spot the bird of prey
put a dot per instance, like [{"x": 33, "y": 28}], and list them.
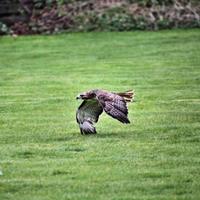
[{"x": 97, "y": 101}]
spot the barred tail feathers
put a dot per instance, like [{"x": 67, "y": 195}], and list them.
[{"x": 128, "y": 95}]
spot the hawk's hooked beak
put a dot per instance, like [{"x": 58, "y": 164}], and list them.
[{"x": 80, "y": 96}]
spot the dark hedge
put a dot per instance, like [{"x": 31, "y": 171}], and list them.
[{"x": 53, "y": 16}]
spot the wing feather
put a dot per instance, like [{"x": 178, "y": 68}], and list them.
[
  {"x": 116, "y": 113},
  {"x": 114, "y": 105}
]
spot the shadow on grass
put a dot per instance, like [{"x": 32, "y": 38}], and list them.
[
  {"x": 74, "y": 136},
  {"x": 121, "y": 135}
]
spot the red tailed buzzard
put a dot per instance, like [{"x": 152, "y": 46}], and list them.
[{"x": 97, "y": 101}]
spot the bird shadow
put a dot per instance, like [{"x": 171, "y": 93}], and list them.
[
  {"x": 116, "y": 135},
  {"x": 101, "y": 135}
]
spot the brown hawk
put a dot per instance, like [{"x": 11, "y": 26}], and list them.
[{"x": 97, "y": 101}]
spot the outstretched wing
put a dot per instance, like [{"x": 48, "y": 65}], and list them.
[
  {"x": 114, "y": 105},
  {"x": 88, "y": 114}
]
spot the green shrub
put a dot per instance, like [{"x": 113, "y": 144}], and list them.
[{"x": 114, "y": 19}]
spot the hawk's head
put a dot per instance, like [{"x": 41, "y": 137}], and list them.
[{"x": 87, "y": 95}]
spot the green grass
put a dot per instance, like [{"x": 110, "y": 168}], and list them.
[{"x": 42, "y": 154}]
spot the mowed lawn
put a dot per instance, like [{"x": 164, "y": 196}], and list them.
[{"x": 42, "y": 154}]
